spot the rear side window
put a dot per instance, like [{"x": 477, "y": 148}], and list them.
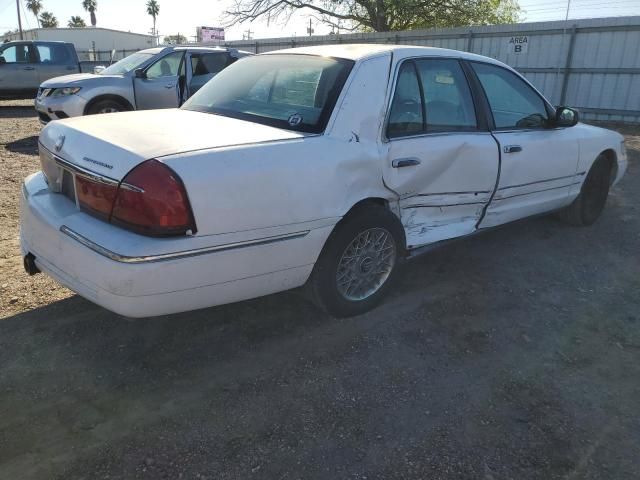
[
  {"x": 447, "y": 97},
  {"x": 406, "y": 116},
  {"x": 514, "y": 104},
  {"x": 53, "y": 54},
  {"x": 432, "y": 95},
  {"x": 208, "y": 63}
]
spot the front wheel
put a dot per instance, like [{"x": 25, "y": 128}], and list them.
[
  {"x": 588, "y": 206},
  {"x": 358, "y": 263},
  {"x": 106, "y": 106}
]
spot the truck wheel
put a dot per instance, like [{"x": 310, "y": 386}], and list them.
[
  {"x": 106, "y": 106},
  {"x": 358, "y": 263},
  {"x": 588, "y": 206}
]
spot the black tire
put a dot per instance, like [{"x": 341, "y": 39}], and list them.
[
  {"x": 106, "y": 106},
  {"x": 324, "y": 287},
  {"x": 588, "y": 206}
]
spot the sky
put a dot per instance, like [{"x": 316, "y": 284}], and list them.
[{"x": 182, "y": 16}]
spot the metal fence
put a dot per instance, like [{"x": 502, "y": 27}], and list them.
[{"x": 591, "y": 64}]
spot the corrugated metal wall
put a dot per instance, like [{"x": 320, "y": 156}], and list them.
[{"x": 591, "y": 64}]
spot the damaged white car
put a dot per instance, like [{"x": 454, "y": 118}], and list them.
[{"x": 323, "y": 166}]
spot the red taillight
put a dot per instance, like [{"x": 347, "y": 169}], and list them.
[
  {"x": 152, "y": 200},
  {"x": 95, "y": 197}
]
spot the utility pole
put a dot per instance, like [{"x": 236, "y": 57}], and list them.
[
  {"x": 310, "y": 29},
  {"x": 246, "y": 35},
  {"x": 19, "y": 19}
]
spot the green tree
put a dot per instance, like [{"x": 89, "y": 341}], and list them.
[
  {"x": 175, "y": 39},
  {"x": 91, "y": 6},
  {"x": 381, "y": 15},
  {"x": 35, "y": 7},
  {"x": 48, "y": 20},
  {"x": 76, "y": 22},
  {"x": 153, "y": 9}
]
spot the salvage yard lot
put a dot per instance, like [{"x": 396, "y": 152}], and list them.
[{"x": 514, "y": 354}]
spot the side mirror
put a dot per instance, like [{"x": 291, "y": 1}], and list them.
[
  {"x": 139, "y": 73},
  {"x": 2, "y": 60},
  {"x": 566, "y": 117}
]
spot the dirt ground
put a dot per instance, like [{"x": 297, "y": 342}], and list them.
[{"x": 511, "y": 355}]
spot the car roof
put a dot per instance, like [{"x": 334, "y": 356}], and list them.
[{"x": 360, "y": 51}]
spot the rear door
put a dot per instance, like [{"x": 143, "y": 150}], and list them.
[
  {"x": 18, "y": 71},
  {"x": 54, "y": 60},
  {"x": 203, "y": 66},
  {"x": 163, "y": 84},
  {"x": 441, "y": 160},
  {"x": 538, "y": 163}
]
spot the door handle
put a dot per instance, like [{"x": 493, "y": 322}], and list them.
[
  {"x": 405, "y": 162},
  {"x": 169, "y": 85},
  {"x": 512, "y": 148},
  {"x": 29, "y": 68}
]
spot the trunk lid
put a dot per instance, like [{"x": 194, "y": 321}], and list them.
[{"x": 112, "y": 144}]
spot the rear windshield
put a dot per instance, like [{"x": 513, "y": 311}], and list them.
[
  {"x": 295, "y": 92},
  {"x": 127, "y": 64}
]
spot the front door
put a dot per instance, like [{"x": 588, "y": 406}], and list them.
[
  {"x": 18, "y": 72},
  {"x": 538, "y": 164},
  {"x": 440, "y": 162},
  {"x": 162, "y": 85}
]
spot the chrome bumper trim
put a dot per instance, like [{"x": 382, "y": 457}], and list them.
[{"x": 177, "y": 255}]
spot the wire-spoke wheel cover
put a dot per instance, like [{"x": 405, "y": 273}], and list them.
[{"x": 366, "y": 264}]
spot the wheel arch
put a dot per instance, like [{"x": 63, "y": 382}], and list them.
[
  {"x": 370, "y": 202},
  {"x": 612, "y": 159},
  {"x": 108, "y": 96}
]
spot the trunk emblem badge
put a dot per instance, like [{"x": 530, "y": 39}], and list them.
[{"x": 59, "y": 143}]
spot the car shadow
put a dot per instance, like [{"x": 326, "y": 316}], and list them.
[
  {"x": 26, "y": 145},
  {"x": 17, "y": 111}
]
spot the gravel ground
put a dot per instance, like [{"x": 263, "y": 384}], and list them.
[{"x": 511, "y": 355}]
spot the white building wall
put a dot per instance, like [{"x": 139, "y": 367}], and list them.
[{"x": 90, "y": 38}]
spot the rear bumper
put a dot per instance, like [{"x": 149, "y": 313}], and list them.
[{"x": 159, "y": 286}]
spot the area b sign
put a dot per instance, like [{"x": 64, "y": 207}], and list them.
[{"x": 518, "y": 45}]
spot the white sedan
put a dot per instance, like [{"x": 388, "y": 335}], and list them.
[{"x": 323, "y": 166}]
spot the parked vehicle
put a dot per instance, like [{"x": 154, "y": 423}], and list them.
[
  {"x": 321, "y": 165},
  {"x": 161, "y": 77},
  {"x": 26, "y": 64}
]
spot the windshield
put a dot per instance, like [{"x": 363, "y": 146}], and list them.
[
  {"x": 296, "y": 92},
  {"x": 127, "y": 64}
]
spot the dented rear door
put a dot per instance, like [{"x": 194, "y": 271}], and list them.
[{"x": 439, "y": 162}]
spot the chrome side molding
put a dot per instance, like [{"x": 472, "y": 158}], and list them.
[{"x": 105, "y": 252}]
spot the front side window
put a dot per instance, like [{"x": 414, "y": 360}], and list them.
[
  {"x": 167, "y": 66},
  {"x": 16, "y": 54},
  {"x": 514, "y": 104},
  {"x": 296, "y": 92}
]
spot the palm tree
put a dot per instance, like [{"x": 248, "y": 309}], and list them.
[
  {"x": 48, "y": 20},
  {"x": 35, "y": 7},
  {"x": 91, "y": 6},
  {"x": 153, "y": 9},
  {"x": 76, "y": 22}
]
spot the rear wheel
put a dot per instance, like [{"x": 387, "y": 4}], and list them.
[
  {"x": 358, "y": 263},
  {"x": 588, "y": 206},
  {"x": 106, "y": 106}
]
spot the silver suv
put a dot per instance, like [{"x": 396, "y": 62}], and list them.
[{"x": 162, "y": 77}]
